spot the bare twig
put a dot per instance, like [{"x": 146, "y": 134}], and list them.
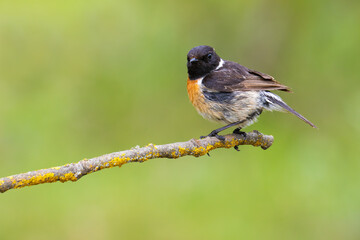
[{"x": 74, "y": 171}]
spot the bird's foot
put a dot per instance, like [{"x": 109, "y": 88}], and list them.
[
  {"x": 237, "y": 131},
  {"x": 214, "y": 134}
]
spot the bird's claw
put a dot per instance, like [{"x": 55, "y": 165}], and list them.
[{"x": 237, "y": 148}]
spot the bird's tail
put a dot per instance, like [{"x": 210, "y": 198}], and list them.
[{"x": 274, "y": 102}]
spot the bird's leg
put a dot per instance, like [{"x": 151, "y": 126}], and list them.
[{"x": 215, "y": 132}]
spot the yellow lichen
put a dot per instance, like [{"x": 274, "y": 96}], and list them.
[
  {"x": 68, "y": 177},
  {"x": 1, "y": 182},
  {"x": 13, "y": 180},
  {"x": 115, "y": 162},
  {"x": 257, "y": 143},
  {"x": 209, "y": 148},
  {"x": 155, "y": 155},
  {"x": 174, "y": 155},
  {"x": 38, "y": 179},
  {"x": 183, "y": 151},
  {"x": 199, "y": 151}
]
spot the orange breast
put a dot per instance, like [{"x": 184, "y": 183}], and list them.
[
  {"x": 204, "y": 107},
  {"x": 195, "y": 95},
  {"x": 193, "y": 90}
]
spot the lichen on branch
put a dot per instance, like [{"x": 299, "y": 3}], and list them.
[{"x": 74, "y": 171}]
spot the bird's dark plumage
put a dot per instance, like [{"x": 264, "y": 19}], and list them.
[{"x": 235, "y": 77}]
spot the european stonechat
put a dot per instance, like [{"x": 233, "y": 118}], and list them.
[{"x": 229, "y": 93}]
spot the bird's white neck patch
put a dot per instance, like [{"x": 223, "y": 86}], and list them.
[{"x": 221, "y": 63}]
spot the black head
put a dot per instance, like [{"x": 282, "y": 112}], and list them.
[{"x": 201, "y": 60}]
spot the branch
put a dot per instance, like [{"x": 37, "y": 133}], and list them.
[{"x": 74, "y": 171}]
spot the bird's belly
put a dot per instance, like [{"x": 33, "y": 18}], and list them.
[
  {"x": 226, "y": 109},
  {"x": 243, "y": 106}
]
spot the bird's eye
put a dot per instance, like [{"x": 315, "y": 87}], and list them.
[
  {"x": 209, "y": 56},
  {"x": 188, "y": 59}
]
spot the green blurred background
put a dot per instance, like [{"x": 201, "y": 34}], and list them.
[{"x": 79, "y": 79}]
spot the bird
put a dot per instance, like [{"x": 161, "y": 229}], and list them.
[{"x": 229, "y": 93}]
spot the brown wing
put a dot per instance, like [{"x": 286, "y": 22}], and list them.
[{"x": 235, "y": 77}]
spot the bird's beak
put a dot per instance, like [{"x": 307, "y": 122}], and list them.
[{"x": 193, "y": 60}]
